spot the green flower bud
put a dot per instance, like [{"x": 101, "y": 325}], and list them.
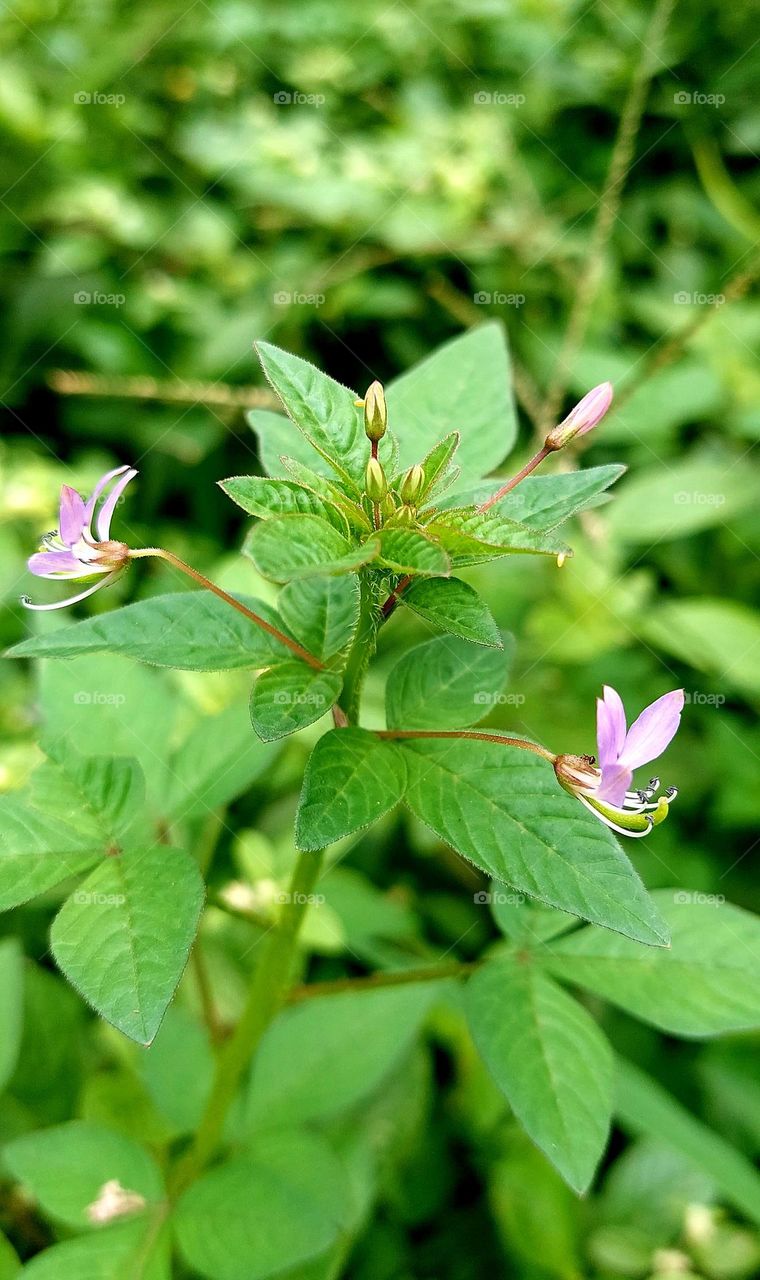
[
  {"x": 404, "y": 515},
  {"x": 412, "y": 485},
  {"x": 387, "y": 507},
  {"x": 375, "y": 412},
  {"x": 375, "y": 483}
]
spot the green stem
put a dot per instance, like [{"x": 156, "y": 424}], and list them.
[
  {"x": 205, "y": 582},
  {"x": 266, "y": 996},
  {"x": 395, "y": 978},
  {"x": 361, "y": 654}
]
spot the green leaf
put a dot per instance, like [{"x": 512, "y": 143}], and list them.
[
  {"x": 102, "y": 796},
  {"x": 465, "y": 385},
  {"x": 192, "y": 630},
  {"x": 324, "y": 410},
  {"x": 504, "y": 810},
  {"x": 11, "y": 1006},
  {"x": 325, "y": 1055},
  {"x": 704, "y": 984},
  {"x": 720, "y": 637},
  {"x": 550, "y": 1060},
  {"x": 178, "y": 1069},
  {"x": 445, "y": 683},
  {"x": 326, "y": 488},
  {"x": 123, "y": 938},
  {"x": 66, "y": 1167},
  {"x": 322, "y": 613},
  {"x": 644, "y": 1107},
  {"x": 38, "y": 851},
  {"x": 219, "y": 759},
  {"x": 543, "y": 502},
  {"x": 291, "y": 696},
  {"x": 10, "y": 1265},
  {"x": 351, "y": 780},
  {"x": 124, "y": 1249},
  {"x": 278, "y": 438},
  {"x": 289, "y": 547},
  {"x": 524, "y": 922},
  {"x": 474, "y": 537},
  {"x": 409, "y": 551},
  {"x": 453, "y": 606},
  {"x": 262, "y": 497},
  {"x": 260, "y": 1214},
  {"x": 690, "y": 493}
]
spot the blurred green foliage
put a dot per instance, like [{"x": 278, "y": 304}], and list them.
[{"x": 357, "y": 183}]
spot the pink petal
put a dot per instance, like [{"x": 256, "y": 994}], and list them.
[
  {"x": 72, "y": 518},
  {"x": 99, "y": 487},
  {"x": 649, "y": 735},
  {"x": 62, "y": 604},
  {"x": 106, "y": 511},
  {"x": 616, "y": 780},
  {"x": 610, "y": 726},
  {"x": 51, "y": 564}
]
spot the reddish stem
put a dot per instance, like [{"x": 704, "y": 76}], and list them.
[
  {"x": 534, "y": 462},
  {"x": 504, "y": 740},
  {"x": 392, "y": 601}
]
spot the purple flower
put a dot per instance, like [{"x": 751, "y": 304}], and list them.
[
  {"x": 606, "y": 789},
  {"x": 587, "y": 413},
  {"x": 622, "y": 750},
  {"x": 74, "y": 552}
]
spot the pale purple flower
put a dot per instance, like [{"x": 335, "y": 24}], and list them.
[
  {"x": 587, "y": 414},
  {"x": 76, "y": 551},
  {"x": 605, "y": 788},
  {"x": 621, "y": 750}
]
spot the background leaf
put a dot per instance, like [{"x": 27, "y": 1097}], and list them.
[
  {"x": 123, "y": 938},
  {"x": 446, "y": 683},
  {"x": 549, "y": 1058}
]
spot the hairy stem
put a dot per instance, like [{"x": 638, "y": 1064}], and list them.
[
  {"x": 502, "y": 739},
  {"x": 203, "y": 581},
  {"x": 266, "y": 995},
  {"x": 360, "y": 655},
  {"x": 531, "y": 465}
]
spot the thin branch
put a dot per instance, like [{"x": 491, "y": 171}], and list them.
[
  {"x": 609, "y": 205},
  {"x": 71, "y": 382},
  {"x": 396, "y": 978}
]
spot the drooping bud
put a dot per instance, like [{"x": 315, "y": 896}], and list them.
[
  {"x": 375, "y": 483},
  {"x": 584, "y": 417},
  {"x": 375, "y": 412},
  {"x": 412, "y": 485}
]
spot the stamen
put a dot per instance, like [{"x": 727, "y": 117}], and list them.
[{"x": 613, "y": 826}]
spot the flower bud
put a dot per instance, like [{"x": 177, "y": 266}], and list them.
[
  {"x": 387, "y": 507},
  {"x": 404, "y": 515},
  {"x": 375, "y": 412},
  {"x": 586, "y": 414},
  {"x": 412, "y": 485},
  {"x": 375, "y": 483}
]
